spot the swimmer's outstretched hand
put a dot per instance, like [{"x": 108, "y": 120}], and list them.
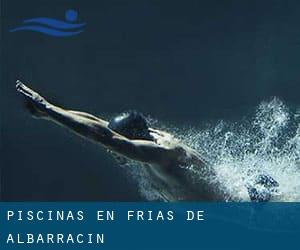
[{"x": 35, "y": 103}]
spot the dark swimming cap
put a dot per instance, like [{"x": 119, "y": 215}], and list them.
[{"x": 132, "y": 125}]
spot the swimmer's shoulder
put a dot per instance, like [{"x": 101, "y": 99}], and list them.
[{"x": 186, "y": 156}]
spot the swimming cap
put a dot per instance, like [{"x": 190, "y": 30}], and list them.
[{"x": 132, "y": 125}]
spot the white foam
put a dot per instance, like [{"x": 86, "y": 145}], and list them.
[{"x": 268, "y": 142}]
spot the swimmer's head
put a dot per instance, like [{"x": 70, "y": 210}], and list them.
[{"x": 132, "y": 125}]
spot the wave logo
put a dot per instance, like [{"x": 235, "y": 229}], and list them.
[{"x": 53, "y": 27}]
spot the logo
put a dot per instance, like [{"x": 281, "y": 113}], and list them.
[{"x": 53, "y": 27}]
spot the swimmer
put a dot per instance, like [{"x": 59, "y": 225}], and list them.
[{"x": 129, "y": 136}]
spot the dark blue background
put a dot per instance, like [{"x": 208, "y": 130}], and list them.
[{"x": 182, "y": 62}]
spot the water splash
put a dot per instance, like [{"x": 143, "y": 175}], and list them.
[{"x": 267, "y": 142}]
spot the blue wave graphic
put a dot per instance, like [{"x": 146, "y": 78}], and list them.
[
  {"x": 47, "y": 31},
  {"x": 53, "y": 23},
  {"x": 55, "y": 27}
]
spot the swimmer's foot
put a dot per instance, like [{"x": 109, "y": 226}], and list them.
[
  {"x": 34, "y": 103},
  {"x": 263, "y": 188}
]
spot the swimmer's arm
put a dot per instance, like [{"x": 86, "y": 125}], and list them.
[
  {"x": 87, "y": 115},
  {"x": 34, "y": 100},
  {"x": 142, "y": 150},
  {"x": 95, "y": 129},
  {"x": 81, "y": 123}
]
